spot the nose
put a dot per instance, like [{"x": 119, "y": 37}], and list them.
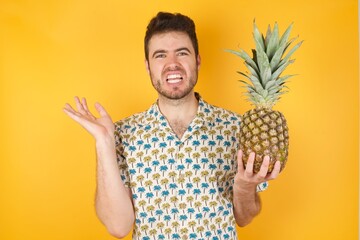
[{"x": 172, "y": 62}]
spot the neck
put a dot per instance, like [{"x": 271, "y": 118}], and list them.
[{"x": 179, "y": 112}]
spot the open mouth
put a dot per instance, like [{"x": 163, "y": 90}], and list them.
[{"x": 174, "y": 78}]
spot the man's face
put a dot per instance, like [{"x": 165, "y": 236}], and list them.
[{"x": 172, "y": 65}]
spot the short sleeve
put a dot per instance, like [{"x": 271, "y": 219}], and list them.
[
  {"x": 121, "y": 160},
  {"x": 262, "y": 186}
]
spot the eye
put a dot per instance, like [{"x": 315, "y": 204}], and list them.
[
  {"x": 160, "y": 55},
  {"x": 182, "y": 53}
]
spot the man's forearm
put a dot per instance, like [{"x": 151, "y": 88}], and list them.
[
  {"x": 246, "y": 205},
  {"x": 113, "y": 200}
]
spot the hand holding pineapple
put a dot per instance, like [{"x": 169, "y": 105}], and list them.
[
  {"x": 264, "y": 131},
  {"x": 245, "y": 178},
  {"x": 246, "y": 202}
]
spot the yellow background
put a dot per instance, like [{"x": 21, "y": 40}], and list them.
[{"x": 53, "y": 50}]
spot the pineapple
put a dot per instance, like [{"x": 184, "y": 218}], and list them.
[{"x": 263, "y": 130}]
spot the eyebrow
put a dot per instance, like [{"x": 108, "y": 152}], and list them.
[{"x": 177, "y": 50}]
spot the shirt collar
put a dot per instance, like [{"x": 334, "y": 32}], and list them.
[{"x": 205, "y": 114}]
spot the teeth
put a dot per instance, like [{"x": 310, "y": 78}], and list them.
[
  {"x": 173, "y": 76},
  {"x": 174, "y": 80}
]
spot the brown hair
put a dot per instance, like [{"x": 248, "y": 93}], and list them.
[{"x": 166, "y": 22}]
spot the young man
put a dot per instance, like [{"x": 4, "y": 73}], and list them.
[{"x": 181, "y": 174}]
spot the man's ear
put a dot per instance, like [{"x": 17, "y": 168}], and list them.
[
  {"x": 147, "y": 66},
  {"x": 198, "y": 61}
]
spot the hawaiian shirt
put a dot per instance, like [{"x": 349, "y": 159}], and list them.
[{"x": 181, "y": 188}]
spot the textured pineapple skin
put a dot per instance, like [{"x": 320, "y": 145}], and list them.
[{"x": 265, "y": 132}]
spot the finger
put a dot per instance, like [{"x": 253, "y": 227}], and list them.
[
  {"x": 77, "y": 117},
  {"x": 275, "y": 172},
  {"x": 84, "y": 103},
  {"x": 79, "y": 106},
  {"x": 240, "y": 162},
  {"x": 250, "y": 164},
  {"x": 101, "y": 110},
  {"x": 264, "y": 167},
  {"x": 72, "y": 113},
  {"x": 69, "y": 108}
]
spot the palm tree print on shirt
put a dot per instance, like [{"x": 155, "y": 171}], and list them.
[{"x": 178, "y": 185}]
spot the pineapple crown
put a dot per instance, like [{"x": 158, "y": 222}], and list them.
[{"x": 265, "y": 85}]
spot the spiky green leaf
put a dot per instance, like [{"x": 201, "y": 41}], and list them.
[
  {"x": 280, "y": 51},
  {"x": 290, "y": 42},
  {"x": 273, "y": 42},
  {"x": 284, "y": 38},
  {"x": 283, "y": 79},
  {"x": 264, "y": 93},
  {"x": 263, "y": 81},
  {"x": 277, "y": 57},
  {"x": 259, "y": 41},
  {"x": 268, "y": 35},
  {"x": 288, "y": 55},
  {"x": 252, "y": 70},
  {"x": 273, "y": 91},
  {"x": 248, "y": 86},
  {"x": 281, "y": 68},
  {"x": 256, "y": 83},
  {"x": 257, "y": 98},
  {"x": 244, "y": 56},
  {"x": 264, "y": 66},
  {"x": 244, "y": 74},
  {"x": 270, "y": 84}
]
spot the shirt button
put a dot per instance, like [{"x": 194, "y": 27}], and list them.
[{"x": 184, "y": 237}]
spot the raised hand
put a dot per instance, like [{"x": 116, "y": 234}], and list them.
[
  {"x": 98, "y": 127},
  {"x": 245, "y": 177}
]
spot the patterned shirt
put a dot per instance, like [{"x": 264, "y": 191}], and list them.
[{"x": 181, "y": 188}]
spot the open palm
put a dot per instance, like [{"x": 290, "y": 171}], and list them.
[{"x": 98, "y": 127}]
